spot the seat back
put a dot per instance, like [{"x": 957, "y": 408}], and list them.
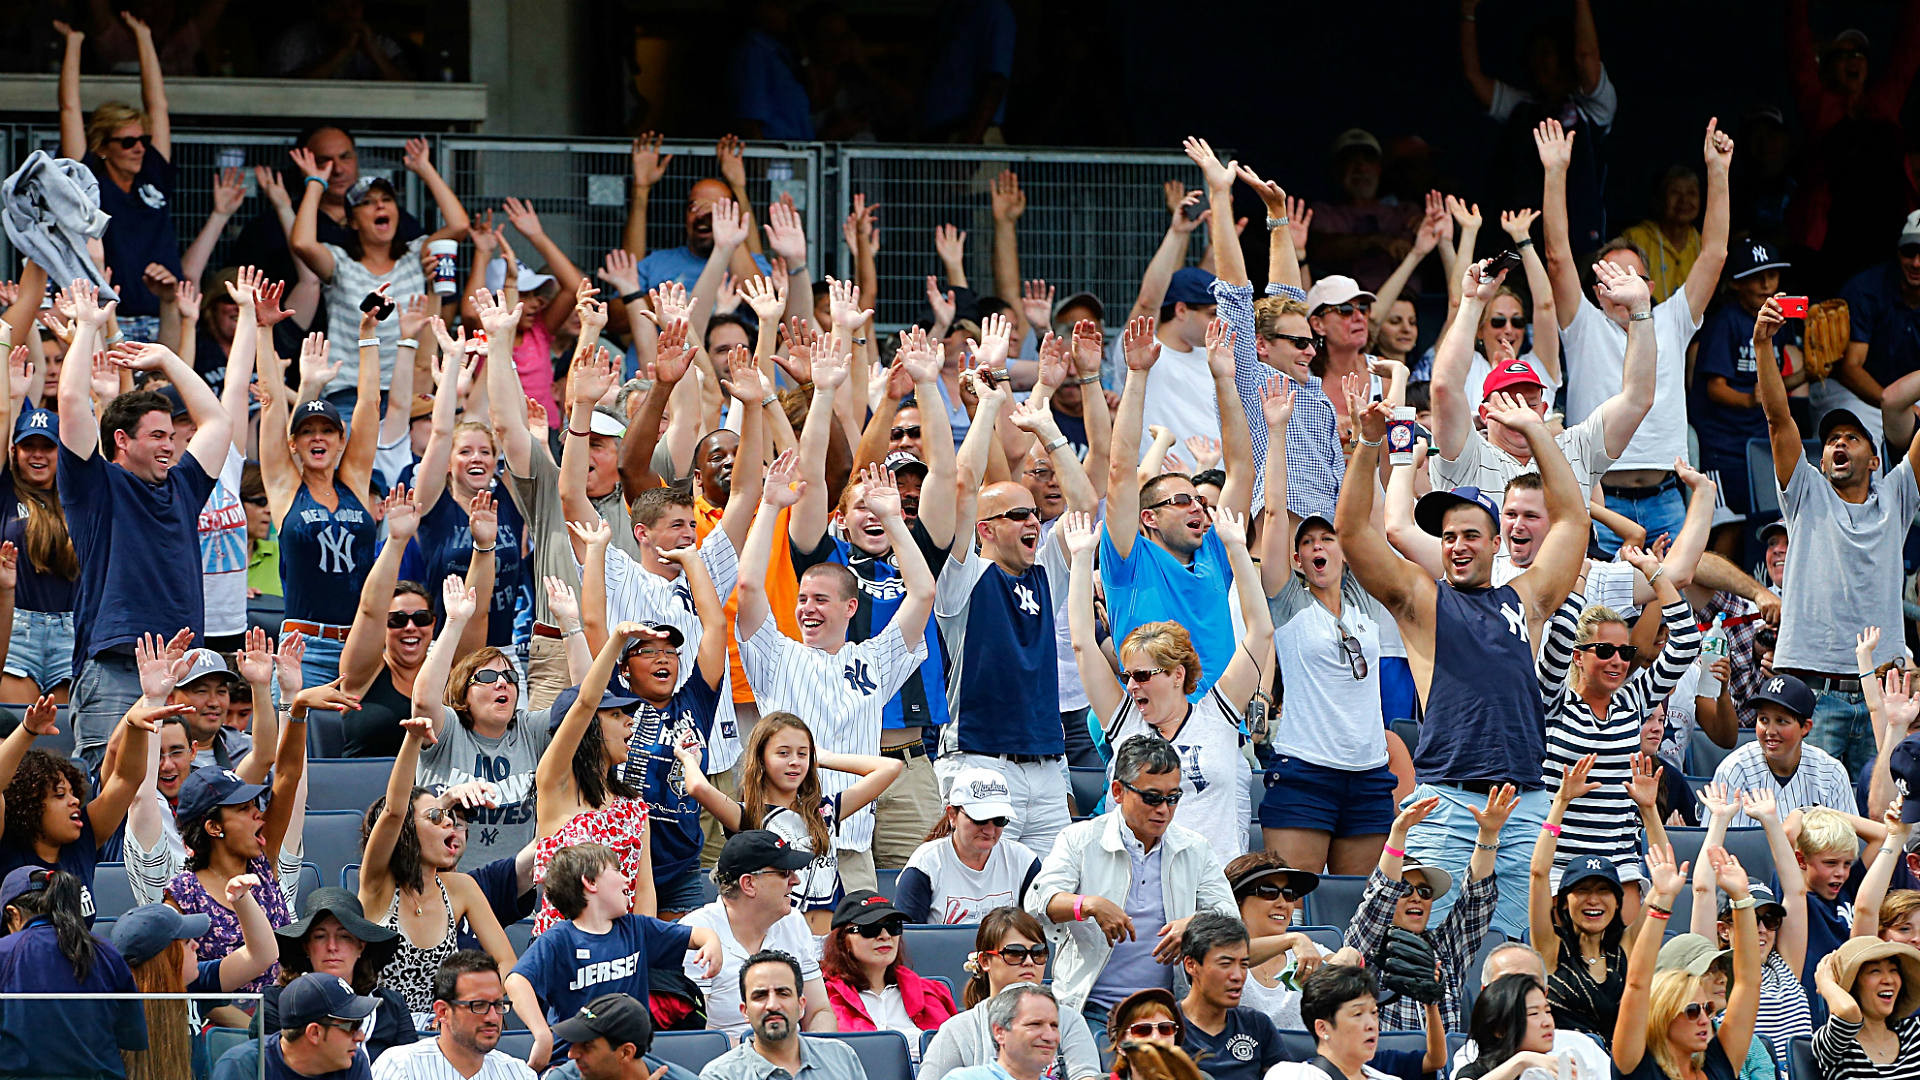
[
  {"x": 112, "y": 890},
  {"x": 346, "y": 783},
  {"x": 933, "y": 949},
  {"x": 883, "y": 1054},
  {"x": 1089, "y": 787},
  {"x": 1335, "y": 900},
  {"x": 333, "y": 841},
  {"x": 691, "y": 1050}
]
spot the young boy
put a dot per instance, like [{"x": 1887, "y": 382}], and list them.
[
  {"x": 1778, "y": 759},
  {"x": 598, "y": 948},
  {"x": 1723, "y": 406}
]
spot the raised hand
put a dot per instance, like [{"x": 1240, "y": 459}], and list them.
[
  {"x": 592, "y": 377},
  {"x": 1230, "y": 527},
  {"x": 160, "y": 663},
  {"x": 1276, "y": 401},
  {"x": 920, "y": 355},
  {"x": 267, "y": 311},
  {"x": 483, "y": 520},
  {"x": 19, "y": 372},
  {"x": 256, "y": 659},
  {"x": 1622, "y": 285},
  {"x": 1574, "y": 782},
  {"x": 1009, "y": 202},
  {"x": 1053, "y": 362},
  {"x": 996, "y": 335},
  {"x": 1035, "y": 418},
  {"x": 240, "y": 885},
  {"x": 457, "y": 600},
  {"x": 1644, "y": 787},
  {"x": 304, "y": 161},
  {"x": 1413, "y": 814},
  {"x": 843, "y": 299},
  {"x": 1721, "y": 804},
  {"x": 1718, "y": 148},
  {"x": 649, "y": 167},
  {"x": 732, "y": 155},
  {"x": 882, "y": 497},
  {"x": 1664, "y": 875},
  {"x": 269, "y": 183},
  {"x": 761, "y": 297},
  {"x": 87, "y": 307},
  {"x": 786, "y": 236},
  {"x": 1897, "y": 701},
  {"x": 1640, "y": 559},
  {"x": 729, "y": 224},
  {"x": 1727, "y": 872},
  {"x": 831, "y": 368},
  {"x": 942, "y": 303},
  {"x": 1219, "y": 177},
  {"x": 286, "y": 660},
  {"x": 1205, "y": 451},
  {"x": 1761, "y": 805},
  {"x": 140, "y": 355},
  {"x": 1138, "y": 343},
  {"x": 1271, "y": 194},
  {"x": 594, "y": 534},
  {"x": 420, "y": 727},
  {"x": 186, "y": 297},
  {"x": 498, "y": 320},
  {"x": 743, "y": 379},
  {"x": 1768, "y": 322},
  {"x": 229, "y": 191},
  {"x": 521, "y": 215},
  {"x": 1088, "y": 345},
  {"x": 562, "y": 601},
  {"x": 784, "y": 484},
  {"x": 670, "y": 303},
  {"x": 1220, "y": 339},
  {"x": 1514, "y": 412},
  {"x": 1500, "y": 804},
  {"x": 1518, "y": 224},
  {"x": 619, "y": 270},
  {"x": 949, "y": 244},
  {"x": 1554, "y": 144},
  {"x": 1077, "y": 527},
  {"x": 1465, "y": 214},
  {"x": 418, "y": 157},
  {"x": 41, "y": 715}
]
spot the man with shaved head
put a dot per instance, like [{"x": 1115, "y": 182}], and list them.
[{"x": 996, "y": 612}]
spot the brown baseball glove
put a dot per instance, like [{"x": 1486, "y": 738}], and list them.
[{"x": 1828, "y": 330}]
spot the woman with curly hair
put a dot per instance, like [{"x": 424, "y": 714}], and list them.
[
  {"x": 49, "y": 821},
  {"x": 864, "y": 963},
  {"x": 1010, "y": 947}
]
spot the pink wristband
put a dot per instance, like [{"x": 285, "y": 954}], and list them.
[
  {"x": 1078, "y": 899},
  {"x": 1393, "y": 851},
  {"x": 1548, "y": 826}
]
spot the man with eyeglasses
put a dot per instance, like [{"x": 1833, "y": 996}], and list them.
[
  {"x": 1118, "y": 891},
  {"x": 1239, "y": 1043},
  {"x": 996, "y": 608},
  {"x": 1596, "y": 335},
  {"x": 756, "y": 875},
  {"x": 470, "y": 1009}
]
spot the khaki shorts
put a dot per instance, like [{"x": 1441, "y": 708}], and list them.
[{"x": 905, "y": 813}]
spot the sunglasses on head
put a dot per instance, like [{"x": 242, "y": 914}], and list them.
[
  {"x": 1021, "y": 954},
  {"x": 1605, "y": 650},
  {"x": 422, "y": 619},
  {"x": 1303, "y": 342},
  {"x": 1156, "y": 798},
  {"x": 1182, "y": 500},
  {"x": 128, "y": 142},
  {"x": 490, "y": 675},
  {"x": 889, "y": 927},
  {"x": 1500, "y": 322},
  {"x": 1017, "y": 514},
  {"x": 1147, "y": 1029},
  {"x": 908, "y": 431},
  {"x": 1128, "y": 678},
  {"x": 1273, "y": 890}
]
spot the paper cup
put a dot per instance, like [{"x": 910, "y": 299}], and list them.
[
  {"x": 1400, "y": 435},
  {"x": 447, "y": 254}
]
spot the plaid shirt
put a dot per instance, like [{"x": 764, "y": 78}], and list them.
[
  {"x": 1740, "y": 659},
  {"x": 1315, "y": 461},
  {"x": 1454, "y": 943}
]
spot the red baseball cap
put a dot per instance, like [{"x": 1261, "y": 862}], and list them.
[{"x": 1512, "y": 373}]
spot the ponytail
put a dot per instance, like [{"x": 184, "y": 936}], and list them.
[{"x": 60, "y": 901}]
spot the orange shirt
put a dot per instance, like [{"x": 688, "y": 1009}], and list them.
[{"x": 783, "y": 588}]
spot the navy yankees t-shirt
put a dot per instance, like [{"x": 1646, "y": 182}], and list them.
[
  {"x": 652, "y": 767},
  {"x": 569, "y": 967},
  {"x": 78, "y": 858},
  {"x": 444, "y": 545}
]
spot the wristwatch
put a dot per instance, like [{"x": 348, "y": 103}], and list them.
[
  {"x": 1056, "y": 444},
  {"x": 1742, "y": 905}
]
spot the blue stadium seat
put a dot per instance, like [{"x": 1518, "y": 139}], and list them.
[
  {"x": 333, "y": 840},
  {"x": 1402, "y": 1041},
  {"x": 691, "y": 1050},
  {"x": 1409, "y": 731},
  {"x": 1704, "y": 755},
  {"x": 926, "y": 1037},
  {"x": 350, "y": 878},
  {"x": 1296, "y": 1045},
  {"x": 346, "y": 783},
  {"x": 112, "y": 891},
  {"x": 515, "y": 1044},
  {"x": 222, "y": 1039},
  {"x": 1327, "y": 937},
  {"x": 326, "y": 737},
  {"x": 519, "y": 935},
  {"x": 1089, "y": 787},
  {"x": 940, "y": 950},
  {"x": 1751, "y": 848},
  {"x": 1761, "y": 483},
  {"x": 883, "y": 1054},
  {"x": 1335, "y": 901},
  {"x": 310, "y": 879},
  {"x": 1687, "y": 841},
  {"x": 1800, "y": 1057},
  {"x": 889, "y": 881},
  {"x": 1256, "y": 837}
]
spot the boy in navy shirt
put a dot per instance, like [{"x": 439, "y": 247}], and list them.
[
  {"x": 1239, "y": 1043},
  {"x": 598, "y": 949},
  {"x": 1723, "y": 405}
]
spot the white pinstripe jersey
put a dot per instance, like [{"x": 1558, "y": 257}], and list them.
[
  {"x": 1819, "y": 781},
  {"x": 423, "y": 1061},
  {"x": 1487, "y": 467},
  {"x": 839, "y": 694}
]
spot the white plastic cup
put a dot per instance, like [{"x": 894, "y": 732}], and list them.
[
  {"x": 1400, "y": 435},
  {"x": 446, "y": 253}
]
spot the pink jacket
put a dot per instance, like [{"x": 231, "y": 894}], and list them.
[{"x": 928, "y": 1003}]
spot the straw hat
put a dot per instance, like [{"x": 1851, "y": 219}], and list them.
[{"x": 1856, "y": 952}]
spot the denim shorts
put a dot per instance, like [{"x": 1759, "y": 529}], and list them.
[
  {"x": 1302, "y": 795},
  {"x": 682, "y": 892},
  {"x": 42, "y": 648}
]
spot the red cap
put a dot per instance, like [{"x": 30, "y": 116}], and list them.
[{"x": 1510, "y": 374}]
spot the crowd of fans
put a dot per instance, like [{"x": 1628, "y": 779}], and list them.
[{"x": 683, "y": 620}]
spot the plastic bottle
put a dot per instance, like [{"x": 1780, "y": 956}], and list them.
[{"x": 1712, "y": 647}]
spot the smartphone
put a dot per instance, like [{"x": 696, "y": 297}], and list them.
[
  {"x": 1508, "y": 260},
  {"x": 1793, "y": 307},
  {"x": 380, "y": 305}
]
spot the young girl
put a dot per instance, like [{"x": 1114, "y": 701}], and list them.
[{"x": 781, "y": 792}]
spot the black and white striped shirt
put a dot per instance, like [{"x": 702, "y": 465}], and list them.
[
  {"x": 1605, "y": 822},
  {"x": 1836, "y": 1049}
]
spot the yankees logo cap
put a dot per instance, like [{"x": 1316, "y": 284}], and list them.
[
  {"x": 1904, "y": 763},
  {"x": 1785, "y": 691},
  {"x": 755, "y": 850}
]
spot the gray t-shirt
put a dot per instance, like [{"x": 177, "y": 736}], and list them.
[
  {"x": 508, "y": 763},
  {"x": 1844, "y": 568},
  {"x": 538, "y": 497}
]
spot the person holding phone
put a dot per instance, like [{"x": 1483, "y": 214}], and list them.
[{"x": 1723, "y": 405}]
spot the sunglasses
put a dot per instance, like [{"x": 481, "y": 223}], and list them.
[
  {"x": 1128, "y": 678},
  {"x": 1182, "y": 500},
  {"x": 490, "y": 675},
  {"x": 1694, "y": 1010},
  {"x": 1017, "y": 514},
  {"x": 481, "y": 1008},
  {"x": 337, "y": 1024},
  {"x": 1908, "y": 251},
  {"x": 1155, "y": 798},
  {"x": 996, "y": 822},
  {"x": 1146, "y": 1029},
  {"x": 1423, "y": 890},
  {"x": 1605, "y": 650},
  {"x": 256, "y": 501},
  {"x": 1349, "y": 308},
  {"x": 1273, "y": 890},
  {"x": 1021, "y": 954},
  {"x": 423, "y": 619},
  {"x": 1351, "y": 651},
  {"x": 128, "y": 142},
  {"x": 1770, "y": 919},
  {"x": 1501, "y": 322},
  {"x": 910, "y": 431},
  {"x": 889, "y": 927},
  {"x": 441, "y": 815},
  {"x": 1303, "y": 342}
]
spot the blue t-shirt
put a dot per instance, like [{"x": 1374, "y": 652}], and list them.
[
  {"x": 499, "y": 882},
  {"x": 278, "y": 1069},
  {"x": 139, "y": 550},
  {"x": 36, "y": 591},
  {"x": 1725, "y": 349},
  {"x": 64, "y": 1038},
  {"x": 1877, "y": 316},
  {"x": 569, "y": 967},
  {"x": 78, "y": 858},
  {"x": 766, "y": 87},
  {"x": 1151, "y": 585},
  {"x": 444, "y": 545},
  {"x": 141, "y": 231},
  {"x": 1247, "y": 1046},
  {"x": 651, "y": 766},
  {"x": 922, "y": 701},
  {"x": 679, "y": 264}
]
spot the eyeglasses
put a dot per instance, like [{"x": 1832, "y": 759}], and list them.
[
  {"x": 889, "y": 927},
  {"x": 260, "y": 500},
  {"x": 1349, "y": 308},
  {"x": 1155, "y": 798},
  {"x": 423, "y": 619},
  {"x": 338, "y": 1024},
  {"x": 443, "y": 815},
  {"x": 1501, "y": 322},
  {"x": 1303, "y": 342},
  {"x": 1273, "y": 890},
  {"x": 1356, "y": 658},
  {"x": 1017, "y": 514},
  {"x": 128, "y": 142},
  {"x": 1128, "y": 678},
  {"x": 1182, "y": 500},
  {"x": 481, "y": 1008},
  {"x": 490, "y": 675},
  {"x": 1694, "y": 1010},
  {"x": 907, "y": 431},
  {"x": 996, "y": 822},
  {"x": 1423, "y": 890},
  {"x": 1040, "y": 473},
  {"x": 1021, "y": 954},
  {"x": 1605, "y": 650},
  {"x": 1146, "y": 1029},
  {"x": 656, "y": 651}
]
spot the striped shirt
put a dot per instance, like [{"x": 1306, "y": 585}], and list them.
[
  {"x": 1819, "y": 781},
  {"x": 423, "y": 1060},
  {"x": 1837, "y": 1051},
  {"x": 637, "y": 594},
  {"x": 839, "y": 694},
  {"x": 1315, "y": 461},
  {"x": 350, "y": 284},
  {"x": 1784, "y": 1013},
  {"x": 1605, "y": 822},
  {"x": 1487, "y": 467},
  {"x": 149, "y": 872}
]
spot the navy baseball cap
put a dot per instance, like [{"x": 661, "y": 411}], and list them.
[
  {"x": 1754, "y": 256},
  {"x": 1432, "y": 508},
  {"x": 21, "y": 881},
  {"x": 614, "y": 697},
  {"x": 314, "y": 997},
  {"x": 37, "y": 423},
  {"x": 1762, "y": 895},
  {"x": 659, "y": 630},
  {"x": 904, "y": 461},
  {"x": 1191, "y": 286},
  {"x": 1905, "y": 766},
  {"x": 206, "y": 790},
  {"x": 320, "y": 408},
  {"x": 1587, "y": 867},
  {"x": 142, "y": 933},
  {"x": 1787, "y": 692},
  {"x": 1843, "y": 417},
  {"x": 755, "y": 850},
  {"x": 176, "y": 405}
]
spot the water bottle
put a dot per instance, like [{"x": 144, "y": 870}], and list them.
[{"x": 1712, "y": 647}]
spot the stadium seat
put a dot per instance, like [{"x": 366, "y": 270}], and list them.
[
  {"x": 883, "y": 1054},
  {"x": 346, "y": 783},
  {"x": 1335, "y": 901},
  {"x": 940, "y": 950},
  {"x": 333, "y": 840},
  {"x": 1256, "y": 837},
  {"x": 889, "y": 881},
  {"x": 350, "y": 878},
  {"x": 1686, "y": 841},
  {"x": 326, "y": 737},
  {"x": 691, "y": 1050},
  {"x": 1800, "y": 1057},
  {"x": 926, "y": 1037},
  {"x": 517, "y": 1044},
  {"x": 1402, "y": 1041},
  {"x": 519, "y": 935},
  {"x": 1297, "y": 1045},
  {"x": 112, "y": 890},
  {"x": 1089, "y": 787},
  {"x": 1761, "y": 483},
  {"x": 1329, "y": 938},
  {"x": 1704, "y": 755},
  {"x": 222, "y": 1039},
  {"x": 1409, "y": 731},
  {"x": 1751, "y": 848},
  {"x": 310, "y": 879}
]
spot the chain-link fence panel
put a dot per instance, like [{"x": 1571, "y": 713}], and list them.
[{"x": 1092, "y": 222}]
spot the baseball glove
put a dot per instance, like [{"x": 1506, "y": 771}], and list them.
[
  {"x": 1828, "y": 329},
  {"x": 1407, "y": 967}
]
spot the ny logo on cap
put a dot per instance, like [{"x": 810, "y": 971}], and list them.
[
  {"x": 231, "y": 775},
  {"x": 1760, "y": 253},
  {"x": 38, "y": 420},
  {"x": 1775, "y": 685},
  {"x": 316, "y": 405},
  {"x": 343, "y": 984},
  {"x": 1591, "y": 862}
]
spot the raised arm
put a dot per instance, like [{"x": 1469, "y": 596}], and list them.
[
  {"x": 1478, "y": 80},
  {"x": 1009, "y": 202},
  {"x": 553, "y": 776},
  {"x": 744, "y": 383},
  {"x": 153, "y": 88},
  {"x": 304, "y": 241},
  {"x": 361, "y": 657},
  {"x": 649, "y": 168},
  {"x": 923, "y": 358},
  {"x": 883, "y": 499},
  {"x": 1574, "y": 783},
  {"x": 1095, "y": 673},
  {"x": 1074, "y": 485},
  {"x": 1743, "y": 990},
  {"x": 1630, "y": 1023},
  {"x": 1171, "y": 255},
  {"x": 1556, "y": 156},
  {"x": 1705, "y": 275},
  {"x": 79, "y": 430},
  {"x": 229, "y": 192},
  {"x": 807, "y": 522},
  {"x": 73, "y": 119},
  {"x": 1277, "y": 523},
  {"x": 1142, "y": 350},
  {"x": 1782, "y": 433},
  {"x": 1391, "y": 579},
  {"x": 377, "y": 883},
  {"x": 1621, "y": 414},
  {"x": 457, "y": 604},
  {"x": 782, "y": 487},
  {"x": 1518, "y": 225},
  {"x": 1721, "y": 805},
  {"x": 1242, "y": 675},
  {"x": 1453, "y": 358},
  {"x": 1236, "y": 435},
  {"x": 454, "y": 222},
  {"x": 1563, "y": 553}
]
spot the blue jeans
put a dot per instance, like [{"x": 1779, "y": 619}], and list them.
[
  {"x": 106, "y": 686},
  {"x": 321, "y": 664},
  {"x": 1446, "y": 838},
  {"x": 1661, "y": 513},
  {"x": 1841, "y": 727},
  {"x": 42, "y": 648}
]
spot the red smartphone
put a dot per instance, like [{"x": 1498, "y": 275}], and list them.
[{"x": 1793, "y": 307}]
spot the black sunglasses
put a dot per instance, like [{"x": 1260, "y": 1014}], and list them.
[
  {"x": 1021, "y": 954},
  {"x": 1500, "y": 322},
  {"x": 258, "y": 500},
  {"x": 889, "y": 927},
  {"x": 1303, "y": 342},
  {"x": 1349, "y": 308},
  {"x": 398, "y": 619},
  {"x": 340, "y": 1024},
  {"x": 910, "y": 431},
  {"x": 1605, "y": 650},
  {"x": 1770, "y": 919},
  {"x": 1273, "y": 890},
  {"x": 1355, "y": 657},
  {"x": 1908, "y": 251},
  {"x": 1018, "y": 513},
  {"x": 1182, "y": 500},
  {"x": 491, "y": 675},
  {"x": 1128, "y": 678},
  {"x": 996, "y": 822},
  {"x": 1423, "y": 890},
  {"x": 1155, "y": 798},
  {"x": 128, "y": 142}
]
